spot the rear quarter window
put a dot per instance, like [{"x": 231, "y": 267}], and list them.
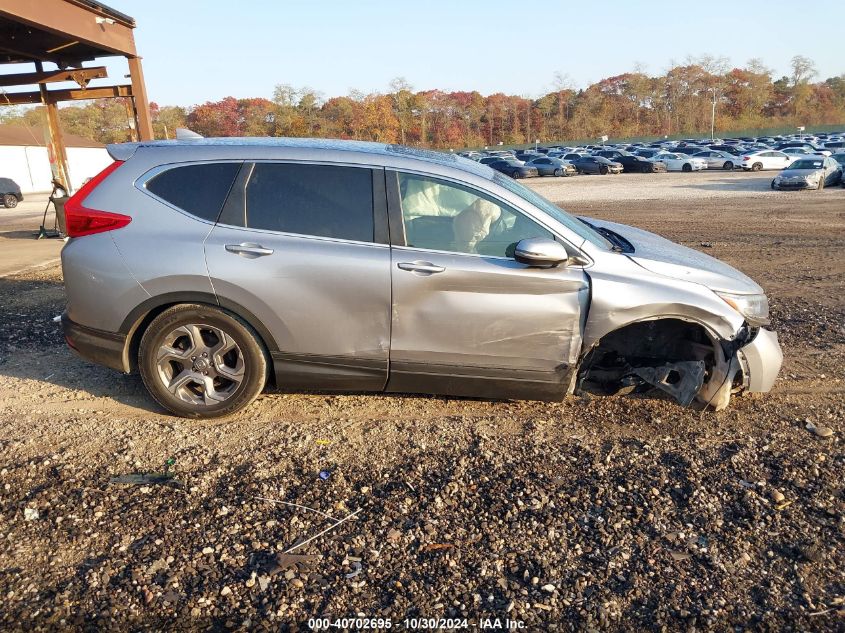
[{"x": 199, "y": 189}]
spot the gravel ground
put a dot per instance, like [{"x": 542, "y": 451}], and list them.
[{"x": 602, "y": 514}]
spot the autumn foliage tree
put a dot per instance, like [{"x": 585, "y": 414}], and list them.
[{"x": 678, "y": 102}]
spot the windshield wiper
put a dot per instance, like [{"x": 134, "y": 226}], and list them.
[{"x": 618, "y": 243}]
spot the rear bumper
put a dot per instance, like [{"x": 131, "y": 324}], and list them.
[
  {"x": 97, "y": 346},
  {"x": 762, "y": 360}
]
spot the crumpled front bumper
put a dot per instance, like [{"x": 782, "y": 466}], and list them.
[{"x": 761, "y": 360}]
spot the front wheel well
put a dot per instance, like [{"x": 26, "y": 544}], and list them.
[{"x": 611, "y": 365}]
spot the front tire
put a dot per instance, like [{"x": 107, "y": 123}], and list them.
[
  {"x": 687, "y": 167},
  {"x": 10, "y": 201},
  {"x": 558, "y": 172},
  {"x": 201, "y": 362},
  {"x": 603, "y": 170},
  {"x": 757, "y": 167},
  {"x": 515, "y": 174},
  {"x": 821, "y": 183}
]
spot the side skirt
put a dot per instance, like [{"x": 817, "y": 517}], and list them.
[
  {"x": 330, "y": 373},
  {"x": 480, "y": 382}
]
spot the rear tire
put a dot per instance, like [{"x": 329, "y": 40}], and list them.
[
  {"x": 757, "y": 167},
  {"x": 220, "y": 357},
  {"x": 10, "y": 201},
  {"x": 687, "y": 167},
  {"x": 821, "y": 183},
  {"x": 773, "y": 185},
  {"x": 645, "y": 169},
  {"x": 728, "y": 166}
]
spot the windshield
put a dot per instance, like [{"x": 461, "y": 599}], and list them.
[
  {"x": 806, "y": 164},
  {"x": 553, "y": 210}
]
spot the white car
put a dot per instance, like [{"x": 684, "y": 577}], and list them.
[
  {"x": 717, "y": 159},
  {"x": 676, "y": 161},
  {"x": 802, "y": 152},
  {"x": 766, "y": 159}
]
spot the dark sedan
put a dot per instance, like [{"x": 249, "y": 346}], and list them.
[
  {"x": 637, "y": 164},
  {"x": 596, "y": 165},
  {"x": 10, "y": 193},
  {"x": 514, "y": 169},
  {"x": 547, "y": 166}
]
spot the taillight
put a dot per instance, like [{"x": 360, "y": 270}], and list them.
[
  {"x": 80, "y": 220},
  {"x": 746, "y": 158}
]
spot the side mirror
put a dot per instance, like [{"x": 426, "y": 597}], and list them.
[{"x": 540, "y": 252}]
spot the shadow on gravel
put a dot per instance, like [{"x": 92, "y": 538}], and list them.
[{"x": 32, "y": 346}]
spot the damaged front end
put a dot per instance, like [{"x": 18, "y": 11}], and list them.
[{"x": 680, "y": 358}]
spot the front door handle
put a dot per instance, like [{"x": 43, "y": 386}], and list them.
[
  {"x": 421, "y": 267},
  {"x": 247, "y": 249}
]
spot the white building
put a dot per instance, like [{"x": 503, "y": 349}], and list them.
[{"x": 23, "y": 158}]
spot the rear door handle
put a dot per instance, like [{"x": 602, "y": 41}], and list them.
[
  {"x": 421, "y": 267},
  {"x": 249, "y": 250}
]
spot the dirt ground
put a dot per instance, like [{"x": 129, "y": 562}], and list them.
[{"x": 603, "y": 514}]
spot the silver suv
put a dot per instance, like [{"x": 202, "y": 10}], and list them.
[{"x": 214, "y": 266}]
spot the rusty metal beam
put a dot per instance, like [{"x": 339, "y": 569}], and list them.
[
  {"x": 56, "y": 152},
  {"x": 144, "y": 123},
  {"x": 79, "y": 75},
  {"x": 75, "y": 22},
  {"x": 73, "y": 94}
]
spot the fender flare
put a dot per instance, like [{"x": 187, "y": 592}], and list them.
[{"x": 144, "y": 312}]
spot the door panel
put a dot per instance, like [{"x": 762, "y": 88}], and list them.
[
  {"x": 484, "y": 326},
  {"x": 325, "y": 302},
  {"x": 298, "y": 246},
  {"x": 467, "y": 318}
]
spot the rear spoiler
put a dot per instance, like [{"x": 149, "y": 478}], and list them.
[{"x": 122, "y": 151}]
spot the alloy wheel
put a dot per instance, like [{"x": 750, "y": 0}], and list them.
[{"x": 200, "y": 364}]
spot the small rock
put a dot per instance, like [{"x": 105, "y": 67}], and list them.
[
  {"x": 777, "y": 496},
  {"x": 550, "y": 588},
  {"x": 394, "y": 535},
  {"x": 225, "y": 591},
  {"x": 207, "y": 550},
  {"x": 250, "y": 582},
  {"x": 263, "y": 582},
  {"x": 822, "y": 431},
  {"x": 30, "y": 514},
  {"x": 296, "y": 582}
]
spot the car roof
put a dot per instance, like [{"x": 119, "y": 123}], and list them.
[{"x": 124, "y": 151}]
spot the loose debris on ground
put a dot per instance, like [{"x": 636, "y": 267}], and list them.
[{"x": 608, "y": 514}]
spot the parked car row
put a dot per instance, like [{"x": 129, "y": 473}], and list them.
[{"x": 781, "y": 153}]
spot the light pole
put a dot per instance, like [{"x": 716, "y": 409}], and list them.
[{"x": 713, "y": 116}]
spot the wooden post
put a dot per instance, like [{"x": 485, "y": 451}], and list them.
[
  {"x": 53, "y": 137},
  {"x": 132, "y": 114},
  {"x": 144, "y": 125}
]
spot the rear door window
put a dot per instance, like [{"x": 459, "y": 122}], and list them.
[
  {"x": 316, "y": 200},
  {"x": 200, "y": 189}
]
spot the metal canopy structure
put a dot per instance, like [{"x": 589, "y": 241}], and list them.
[{"x": 68, "y": 33}]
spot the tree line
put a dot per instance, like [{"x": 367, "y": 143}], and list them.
[{"x": 635, "y": 104}]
